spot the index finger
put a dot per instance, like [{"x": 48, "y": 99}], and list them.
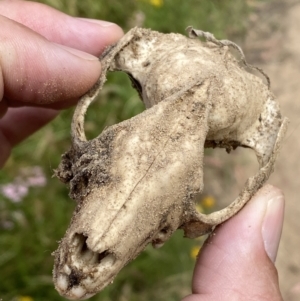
[{"x": 90, "y": 36}]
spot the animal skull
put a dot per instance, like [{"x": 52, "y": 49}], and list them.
[{"x": 134, "y": 184}]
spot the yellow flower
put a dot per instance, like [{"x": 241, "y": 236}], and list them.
[
  {"x": 25, "y": 298},
  {"x": 208, "y": 202},
  {"x": 195, "y": 251},
  {"x": 157, "y": 3}
]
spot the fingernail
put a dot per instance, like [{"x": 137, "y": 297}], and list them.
[
  {"x": 99, "y": 22},
  {"x": 81, "y": 54},
  {"x": 272, "y": 225}
]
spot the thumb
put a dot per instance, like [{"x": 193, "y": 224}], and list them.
[{"x": 237, "y": 260}]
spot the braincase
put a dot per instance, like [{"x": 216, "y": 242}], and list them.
[{"x": 161, "y": 65}]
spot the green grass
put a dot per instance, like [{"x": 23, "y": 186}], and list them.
[{"x": 31, "y": 228}]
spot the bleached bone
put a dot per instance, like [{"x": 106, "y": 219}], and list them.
[{"x": 134, "y": 184}]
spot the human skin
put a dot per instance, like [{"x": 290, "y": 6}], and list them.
[
  {"x": 42, "y": 67},
  {"x": 47, "y": 61},
  {"x": 237, "y": 260}
]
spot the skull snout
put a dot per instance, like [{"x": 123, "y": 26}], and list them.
[{"x": 89, "y": 257}]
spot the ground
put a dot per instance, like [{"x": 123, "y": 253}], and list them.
[{"x": 273, "y": 43}]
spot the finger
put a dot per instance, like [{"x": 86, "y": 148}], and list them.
[
  {"x": 19, "y": 123},
  {"x": 90, "y": 36},
  {"x": 38, "y": 72},
  {"x": 236, "y": 263}
]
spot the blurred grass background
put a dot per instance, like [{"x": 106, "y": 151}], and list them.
[{"x": 31, "y": 226}]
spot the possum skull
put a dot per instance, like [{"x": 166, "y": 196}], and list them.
[{"x": 134, "y": 184}]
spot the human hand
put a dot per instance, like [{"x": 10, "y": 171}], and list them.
[
  {"x": 47, "y": 61},
  {"x": 237, "y": 260}
]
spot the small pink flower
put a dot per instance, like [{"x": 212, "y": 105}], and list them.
[
  {"x": 28, "y": 177},
  {"x": 14, "y": 192}
]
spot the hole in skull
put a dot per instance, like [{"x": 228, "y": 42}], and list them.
[
  {"x": 161, "y": 237},
  {"x": 74, "y": 278},
  {"x": 87, "y": 256},
  {"x": 164, "y": 230},
  {"x": 102, "y": 255},
  {"x": 83, "y": 244}
]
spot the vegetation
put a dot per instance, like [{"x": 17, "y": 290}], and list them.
[{"x": 35, "y": 208}]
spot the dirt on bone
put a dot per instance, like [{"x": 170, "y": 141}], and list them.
[{"x": 136, "y": 180}]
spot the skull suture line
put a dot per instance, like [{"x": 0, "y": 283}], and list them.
[{"x": 134, "y": 184}]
